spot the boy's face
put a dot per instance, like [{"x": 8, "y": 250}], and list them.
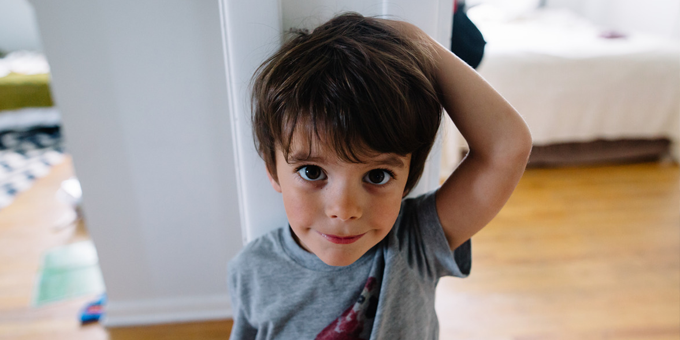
[{"x": 339, "y": 210}]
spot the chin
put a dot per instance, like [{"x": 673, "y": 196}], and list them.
[{"x": 338, "y": 261}]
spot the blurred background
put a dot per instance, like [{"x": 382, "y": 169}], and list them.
[{"x": 127, "y": 180}]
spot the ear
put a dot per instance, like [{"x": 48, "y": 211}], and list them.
[{"x": 274, "y": 183}]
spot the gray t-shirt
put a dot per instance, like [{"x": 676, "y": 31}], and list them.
[{"x": 280, "y": 291}]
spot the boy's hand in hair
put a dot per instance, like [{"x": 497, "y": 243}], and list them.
[{"x": 498, "y": 137}]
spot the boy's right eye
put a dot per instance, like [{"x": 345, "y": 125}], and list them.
[{"x": 311, "y": 173}]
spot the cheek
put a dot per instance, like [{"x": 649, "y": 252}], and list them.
[
  {"x": 300, "y": 207},
  {"x": 386, "y": 211}
]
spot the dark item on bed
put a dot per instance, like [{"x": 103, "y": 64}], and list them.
[
  {"x": 467, "y": 41},
  {"x": 19, "y": 91},
  {"x": 613, "y": 35}
]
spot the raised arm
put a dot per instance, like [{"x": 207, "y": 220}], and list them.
[{"x": 498, "y": 137}]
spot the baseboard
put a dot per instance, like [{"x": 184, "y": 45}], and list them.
[
  {"x": 169, "y": 310},
  {"x": 675, "y": 150}
]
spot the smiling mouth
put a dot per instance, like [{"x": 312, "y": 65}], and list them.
[{"x": 342, "y": 239}]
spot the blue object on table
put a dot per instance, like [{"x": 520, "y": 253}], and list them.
[{"x": 93, "y": 311}]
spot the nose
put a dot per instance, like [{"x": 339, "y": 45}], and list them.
[{"x": 344, "y": 202}]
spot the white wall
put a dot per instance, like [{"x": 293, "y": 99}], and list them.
[
  {"x": 142, "y": 88},
  {"x": 18, "y": 29}
]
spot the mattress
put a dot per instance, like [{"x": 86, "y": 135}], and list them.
[{"x": 575, "y": 82}]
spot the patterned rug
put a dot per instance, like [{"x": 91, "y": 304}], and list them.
[{"x": 28, "y": 149}]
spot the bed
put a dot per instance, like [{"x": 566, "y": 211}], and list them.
[
  {"x": 24, "y": 81},
  {"x": 579, "y": 87},
  {"x": 30, "y": 137}
]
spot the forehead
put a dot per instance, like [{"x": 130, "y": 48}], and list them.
[{"x": 305, "y": 148}]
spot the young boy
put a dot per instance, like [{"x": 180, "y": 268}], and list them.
[{"x": 344, "y": 118}]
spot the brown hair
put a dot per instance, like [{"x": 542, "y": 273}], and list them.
[{"x": 357, "y": 84}]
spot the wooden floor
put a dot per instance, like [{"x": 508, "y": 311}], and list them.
[
  {"x": 579, "y": 253},
  {"x": 26, "y": 231},
  {"x": 589, "y": 253}
]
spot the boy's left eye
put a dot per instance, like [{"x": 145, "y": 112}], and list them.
[{"x": 378, "y": 176}]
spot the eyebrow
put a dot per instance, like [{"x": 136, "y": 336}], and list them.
[
  {"x": 301, "y": 157},
  {"x": 391, "y": 160},
  {"x": 304, "y": 157}
]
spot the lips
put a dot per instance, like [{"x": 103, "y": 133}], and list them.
[{"x": 342, "y": 239}]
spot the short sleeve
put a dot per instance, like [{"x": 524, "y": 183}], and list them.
[{"x": 422, "y": 242}]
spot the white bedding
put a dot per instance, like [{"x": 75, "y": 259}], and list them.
[{"x": 570, "y": 84}]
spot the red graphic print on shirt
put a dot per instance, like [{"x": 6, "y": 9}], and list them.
[{"x": 357, "y": 321}]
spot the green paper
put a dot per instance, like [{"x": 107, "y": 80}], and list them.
[{"x": 68, "y": 271}]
